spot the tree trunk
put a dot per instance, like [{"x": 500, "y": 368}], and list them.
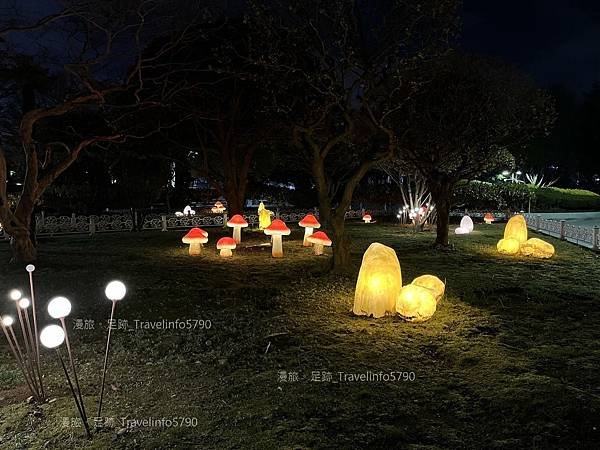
[
  {"x": 235, "y": 196},
  {"x": 441, "y": 193},
  {"x": 341, "y": 250},
  {"x": 23, "y": 248}
]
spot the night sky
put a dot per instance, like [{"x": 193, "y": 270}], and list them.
[{"x": 556, "y": 41}]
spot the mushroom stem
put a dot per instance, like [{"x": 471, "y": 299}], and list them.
[
  {"x": 237, "y": 234},
  {"x": 318, "y": 249},
  {"x": 277, "y": 251},
  {"x": 195, "y": 249},
  {"x": 226, "y": 252},
  {"x": 307, "y": 232}
]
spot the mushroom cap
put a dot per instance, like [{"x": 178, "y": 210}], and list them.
[
  {"x": 277, "y": 227},
  {"x": 309, "y": 221},
  {"x": 218, "y": 204},
  {"x": 226, "y": 242},
  {"x": 237, "y": 221},
  {"x": 489, "y": 216},
  {"x": 195, "y": 235},
  {"x": 367, "y": 216},
  {"x": 319, "y": 238}
]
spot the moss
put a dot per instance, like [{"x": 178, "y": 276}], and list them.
[{"x": 509, "y": 360}]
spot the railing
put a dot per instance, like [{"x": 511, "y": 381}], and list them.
[
  {"x": 584, "y": 236},
  {"x": 77, "y": 224}
]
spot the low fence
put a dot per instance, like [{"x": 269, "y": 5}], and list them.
[
  {"x": 78, "y": 224},
  {"x": 584, "y": 236}
]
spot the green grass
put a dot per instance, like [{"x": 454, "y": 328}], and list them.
[{"x": 509, "y": 360}]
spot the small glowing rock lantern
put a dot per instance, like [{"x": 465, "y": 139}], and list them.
[
  {"x": 466, "y": 226},
  {"x": 508, "y": 246},
  {"x": 226, "y": 244},
  {"x": 309, "y": 223},
  {"x": 537, "y": 248},
  {"x": 416, "y": 303},
  {"x": 276, "y": 230},
  {"x": 379, "y": 282},
  {"x": 367, "y": 218},
  {"x": 195, "y": 238},
  {"x": 237, "y": 222},
  {"x": 432, "y": 283},
  {"x": 320, "y": 239},
  {"x": 218, "y": 208},
  {"x": 488, "y": 218}
]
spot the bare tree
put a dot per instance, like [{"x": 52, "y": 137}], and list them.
[
  {"x": 418, "y": 205},
  {"x": 97, "y": 67}
]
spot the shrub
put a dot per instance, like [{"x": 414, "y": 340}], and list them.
[
  {"x": 488, "y": 196},
  {"x": 569, "y": 199}
]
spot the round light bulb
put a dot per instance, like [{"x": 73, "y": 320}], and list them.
[
  {"x": 7, "y": 321},
  {"x": 15, "y": 294},
  {"x": 30, "y": 268},
  {"x": 52, "y": 336},
  {"x": 24, "y": 303},
  {"x": 59, "y": 307},
  {"x": 115, "y": 290}
]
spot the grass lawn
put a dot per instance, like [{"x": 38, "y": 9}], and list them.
[{"x": 510, "y": 360}]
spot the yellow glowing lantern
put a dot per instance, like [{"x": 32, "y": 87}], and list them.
[
  {"x": 432, "y": 283},
  {"x": 416, "y": 303},
  {"x": 516, "y": 228},
  {"x": 264, "y": 216},
  {"x": 537, "y": 248},
  {"x": 379, "y": 282},
  {"x": 508, "y": 246}
]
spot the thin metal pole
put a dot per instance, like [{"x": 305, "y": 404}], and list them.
[
  {"x": 19, "y": 362},
  {"x": 85, "y": 424},
  {"x": 28, "y": 361},
  {"x": 21, "y": 358},
  {"x": 112, "y": 312},
  {"x": 35, "y": 328},
  {"x": 62, "y": 322}
]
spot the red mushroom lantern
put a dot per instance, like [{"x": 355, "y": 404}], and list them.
[{"x": 276, "y": 230}]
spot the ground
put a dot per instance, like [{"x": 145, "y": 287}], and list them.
[{"x": 509, "y": 360}]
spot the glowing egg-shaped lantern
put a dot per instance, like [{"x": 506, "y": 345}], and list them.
[
  {"x": 195, "y": 238},
  {"x": 237, "y": 222},
  {"x": 432, "y": 283},
  {"x": 416, "y": 303},
  {"x": 466, "y": 223},
  {"x": 367, "y": 218},
  {"x": 508, "y": 246},
  {"x": 276, "y": 230},
  {"x": 537, "y": 248},
  {"x": 379, "y": 282},
  {"x": 225, "y": 245},
  {"x": 488, "y": 218},
  {"x": 516, "y": 228}
]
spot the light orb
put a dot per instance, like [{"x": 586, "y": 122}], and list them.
[
  {"x": 15, "y": 294},
  {"x": 7, "y": 321},
  {"x": 30, "y": 268},
  {"x": 52, "y": 336},
  {"x": 24, "y": 303},
  {"x": 59, "y": 307},
  {"x": 115, "y": 290}
]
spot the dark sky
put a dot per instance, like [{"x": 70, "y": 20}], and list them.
[{"x": 556, "y": 41}]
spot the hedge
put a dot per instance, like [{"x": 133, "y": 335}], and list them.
[{"x": 511, "y": 196}]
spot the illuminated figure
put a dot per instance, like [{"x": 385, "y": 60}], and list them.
[{"x": 264, "y": 216}]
